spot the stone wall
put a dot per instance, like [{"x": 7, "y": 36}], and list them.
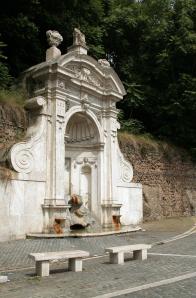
[
  {"x": 13, "y": 123},
  {"x": 168, "y": 177}
]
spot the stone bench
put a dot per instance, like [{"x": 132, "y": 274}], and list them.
[
  {"x": 117, "y": 253},
  {"x": 42, "y": 260}
]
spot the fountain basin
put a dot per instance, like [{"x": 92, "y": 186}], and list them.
[{"x": 82, "y": 233}]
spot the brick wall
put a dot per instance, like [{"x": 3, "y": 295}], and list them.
[{"x": 168, "y": 178}]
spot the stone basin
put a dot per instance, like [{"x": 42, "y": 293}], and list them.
[{"x": 87, "y": 232}]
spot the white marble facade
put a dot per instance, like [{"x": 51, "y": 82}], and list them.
[{"x": 71, "y": 146}]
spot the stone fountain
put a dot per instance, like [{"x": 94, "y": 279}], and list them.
[{"x": 71, "y": 147}]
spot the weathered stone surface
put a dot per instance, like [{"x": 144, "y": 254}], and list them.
[
  {"x": 74, "y": 257},
  {"x": 70, "y": 147},
  {"x": 169, "y": 180}
]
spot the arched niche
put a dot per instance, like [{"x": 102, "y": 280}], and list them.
[
  {"x": 82, "y": 157},
  {"x": 81, "y": 130}
]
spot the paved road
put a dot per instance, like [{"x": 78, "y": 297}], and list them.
[{"x": 169, "y": 271}]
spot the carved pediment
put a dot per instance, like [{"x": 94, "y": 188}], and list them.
[
  {"x": 93, "y": 73},
  {"x": 86, "y": 74}
]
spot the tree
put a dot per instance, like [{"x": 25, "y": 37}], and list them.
[
  {"x": 150, "y": 43},
  {"x": 5, "y": 78},
  {"x": 155, "y": 44}
]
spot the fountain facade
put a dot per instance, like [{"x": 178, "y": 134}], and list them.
[{"x": 71, "y": 145}]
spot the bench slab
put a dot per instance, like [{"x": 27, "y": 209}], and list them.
[
  {"x": 127, "y": 248},
  {"x": 43, "y": 260},
  {"x": 58, "y": 255},
  {"x": 117, "y": 252}
]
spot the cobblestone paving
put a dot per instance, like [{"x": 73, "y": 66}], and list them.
[
  {"x": 100, "y": 277},
  {"x": 184, "y": 289},
  {"x": 14, "y": 254}
]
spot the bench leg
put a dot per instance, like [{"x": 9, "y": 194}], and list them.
[
  {"x": 75, "y": 265},
  {"x": 42, "y": 268},
  {"x": 140, "y": 254},
  {"x": 117, "y": 258}
]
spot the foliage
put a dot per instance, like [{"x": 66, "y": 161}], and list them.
[
  {"x": 155, "y": 46},
  {"x": 151, "y": 44},
  {"x": 5, "y": 78},
  {"x": 132, "y": 126},
  {"x": 13, "y": 96}
]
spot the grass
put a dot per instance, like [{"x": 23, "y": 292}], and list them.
[
  {"x": 143, "y": 140},
  {"x": 145, "y": 144},
  {"x": 12, "y": 114},
  {"x": 15, "y": 97}
]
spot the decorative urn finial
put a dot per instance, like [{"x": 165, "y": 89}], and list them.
[{"x": 54, "y": 39}]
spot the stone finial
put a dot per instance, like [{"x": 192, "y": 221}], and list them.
[
  {"x": 54, "y": 38},
  {"x": 79, "y": 42},
  {"x": 104, "y": 62},
  {"x": 78, "y": 38}
]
